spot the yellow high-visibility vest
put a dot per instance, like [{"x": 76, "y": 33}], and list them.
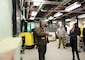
[{"x": 81, "y": 29}]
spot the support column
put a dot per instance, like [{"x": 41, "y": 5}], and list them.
[
  {"x": 14, "y": 29},
  {"x": 77, "y": 19}
]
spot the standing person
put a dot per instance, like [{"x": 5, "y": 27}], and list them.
[
  {"x": 61, "y": 35},
  {"x": 42, "y": 40},
  {"x": 81, "y": 35},
  {"x": 73, "y": 41},
  {"x": 84, "y": 39},
  {"x": 78, "y": 36},
  {"x": 68, "y": 29}
]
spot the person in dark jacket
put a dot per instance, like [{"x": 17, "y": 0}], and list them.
[
  {"x": 84, "y": 38},
  {"x": 73, "y": 41},
  {"x": 42, "y": 40}
]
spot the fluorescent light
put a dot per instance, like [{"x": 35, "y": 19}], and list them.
[
  {"x": 46, "y": 20},
  {"x": 31, "y": 18},
  {"x": 54, "y": 22},
  {"x": 33, "y": 13},
  {"x": 37, "y": 3},
  {"x": 72, "y": 7},
  {"x": 81, "y": 16},
  {"x": 50, "y": 18},
  {"x": 58, "y": 14},
  {"x": 38, "y": 0},
  {"x": 68, "y": 20}
]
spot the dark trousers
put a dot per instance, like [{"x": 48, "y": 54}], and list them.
[
  {"x": 84, "y": 40},
  {"x": 74, "y": 48},
  {"x": 42, "y": 50},
  {"x": 73, "y": 52},
  {"x": 84, "y": 43}
]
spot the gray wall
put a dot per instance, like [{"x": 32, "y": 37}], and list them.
[{"x": 5, "y": 19}]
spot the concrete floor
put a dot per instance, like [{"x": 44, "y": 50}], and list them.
[{"x": 52, "y": 53}]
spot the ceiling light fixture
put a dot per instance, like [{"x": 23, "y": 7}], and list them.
[
  {"x": 33, "y": 13},
  {"x": 68, "y": 20},
  {"x": 46, "y": 20},
  {"x": 81, "y": 16},
  {"x": 36, "y": 3},
  {"x": 31, "y": 18},
  {"x": 58, "y": 14},
  {"x": 72, "y": 7},
  {"x": 50, "y": 18},
  {"x": 38, "y": 0}
]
